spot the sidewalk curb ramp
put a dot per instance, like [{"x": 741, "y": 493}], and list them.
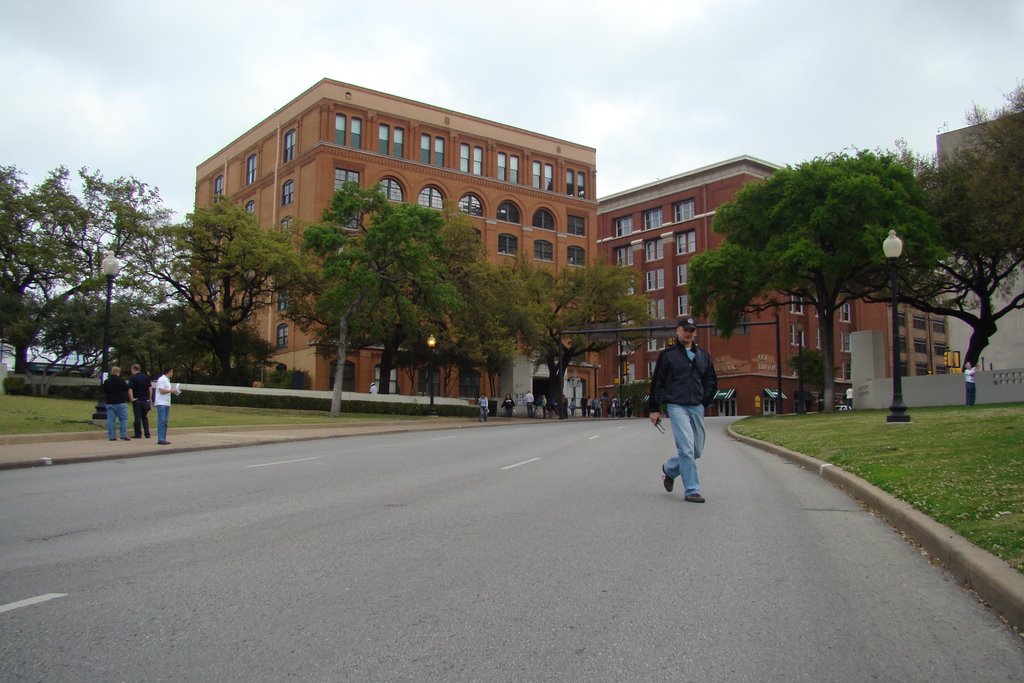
[{"x": 997, "y": 583}]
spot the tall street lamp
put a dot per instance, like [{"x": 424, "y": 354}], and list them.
[
  {"x": 432, "y": 343},
  {"x": 893, "y": 248},
  {"x": 111, "y": 267},
  {"x": 801, "y": 404}
]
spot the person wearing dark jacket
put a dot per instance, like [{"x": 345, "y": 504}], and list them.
[
  {"x": 685, "y": 381},
  {"x": 118, "y": 395},
  {"x": 142, "y": 389}
]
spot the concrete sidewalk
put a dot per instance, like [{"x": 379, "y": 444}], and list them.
[{"x": 34, "y": 450}]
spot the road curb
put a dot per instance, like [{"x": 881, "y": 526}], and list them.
[{"x": 994, "y": 581}]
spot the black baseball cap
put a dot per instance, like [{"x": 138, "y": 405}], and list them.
[{"x": 687, "y": 323}]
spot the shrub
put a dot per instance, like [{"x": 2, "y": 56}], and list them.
[{"x": 14, "y": 386}]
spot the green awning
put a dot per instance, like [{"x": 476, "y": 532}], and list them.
[
  {"x": 724, "y": 394},
  {"x": 773, "y": 394}
]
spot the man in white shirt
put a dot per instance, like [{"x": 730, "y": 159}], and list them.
[
  {"x": 162, "y": 401},
  {"x": 529, "y": 404}
]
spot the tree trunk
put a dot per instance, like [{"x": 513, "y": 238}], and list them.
[
  {"x": 827, "y": 316},
  {"x": 339, "y": 370}
]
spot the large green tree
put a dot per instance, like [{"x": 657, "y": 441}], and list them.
[
  {"x": 977, "y": 194},
  {"x": 551, "y": 303},
  {"x": 368, "y": 248},
  {"x": 811, "y": 233},
  {"x": 223, "y": 267}
]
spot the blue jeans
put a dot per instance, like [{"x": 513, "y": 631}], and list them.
[
  {"x": 971, "y": 393},
  {"x": 688, "y": 430},
  {"x": 163, "y": 413},
  {"x": 120, "y": 411}
]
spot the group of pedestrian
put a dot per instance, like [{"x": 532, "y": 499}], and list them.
[{"x": 140, "y": 392}]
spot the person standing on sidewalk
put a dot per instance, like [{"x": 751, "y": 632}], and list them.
[
  {"x": 142, "y": 389},
  {"x": 685, "y": 381},
  {"x": 162, "y": 399},
  {"x": 118, "y": 395},
  {"x": 484, "y": 407}
]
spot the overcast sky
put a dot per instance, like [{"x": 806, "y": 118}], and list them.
[{"x": 151, "y": 89}]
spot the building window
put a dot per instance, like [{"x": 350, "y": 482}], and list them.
[
  {"x": 535, "y": 178},
  {"x": 513, "y": 169},
  {"x": 939, "y": 326},
  {"x": 656, "y": 308},
  {"x": 654, "y": 250},
  {"x": 683, "y": 305},
  {"x": 343, "y": 175},
  {"x": 469, "y": 384},
  {"x": 509, "y": 212},
  {"x": 250, "y": 170},
  {"x": 844, "y": 342},
  {"x": 576, "y": 225},
  {"x": 287, "y": 192},
  {"x": 921, "y": 368},
  {"x": 796, "y": 337},
  {"x": 655, "y": 279},
  {"x": 502, "y": 166},
  {"x": 543, "y": 250},
  {"x": 340, "y": 126},
  {"x": 652, "y": 219},
  {"x": 356, "y": 134},
  {"x": 439, "y": 151},
  {"x": 920, "y": 345},
  {"x": 901, "y": 319},
  {"x": 570, "y": 182},
  {"x": 282, "y": 300},
  {"x": 478, "y": 161},
  {"x": 282, "y": 335},
  {"x": 940, "y": 348},
  {"x": 424, "y": 149},
  {"x": 472, "y": 205},
  {"x": 576, "y": 256},
  {"x": 581, "y": 188},
  {"x": 683, "y": 211},
  {"x": 543, "y": 219},
  {"x": 844, "y": 312},
  {"x": 624, "y": 256},
  {"x": 623, "y": 226},
  {"x": 686, "y": 242},
  {"x": 431, "y": 198},
  {"x": 383, "y": 138},
  {"x": 250, "y": 206},
  {"x": 399, "y": 147},
  {"x": 681, "y": 273},
  {"x": 286, "y": 224},
  {"x": 464, "y": 157},
  {"x": 796, "y": 307},
  {"x": 919, "y": 322},
  {"x": 218, "y": 188},
  {"x": 508, "y": 244},
  {"x": 289, "y": 145},
  {"x": 392, "y": 189}
]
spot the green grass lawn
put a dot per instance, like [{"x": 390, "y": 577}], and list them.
[
  {"x": 961, "y": 466},
  {"x": 36, "y": 415}
]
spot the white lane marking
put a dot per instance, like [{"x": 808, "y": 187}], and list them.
[
  {"x": 595, "y": 436},
  {"x": 525, "y": 462},
  {"x": 443, "y": 438},
  {"x": 283, "y": 462},
  {"x": 31, "y": 601}
]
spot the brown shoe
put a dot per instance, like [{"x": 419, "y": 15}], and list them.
[{"x": 694, "y": 498}]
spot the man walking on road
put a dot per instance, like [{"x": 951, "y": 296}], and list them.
[{"x": 685, "y": 381}]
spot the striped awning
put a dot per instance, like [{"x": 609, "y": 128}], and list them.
[
  {"x": 772, "y": 393},
  {"x": 724, "y": 394}
]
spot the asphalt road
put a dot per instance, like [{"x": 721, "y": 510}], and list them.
[{"x": 544, "y": 552}]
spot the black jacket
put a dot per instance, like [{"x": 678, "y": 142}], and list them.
[{"x": 677, "y": 379}]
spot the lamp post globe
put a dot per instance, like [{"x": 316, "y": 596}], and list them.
[
  {"x": 432, "y": 343},
  {"x": 110, "y": 266},
  {"x": 892, "y": 247}
]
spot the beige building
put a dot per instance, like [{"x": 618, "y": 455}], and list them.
[{"x": 527, "y": 193}]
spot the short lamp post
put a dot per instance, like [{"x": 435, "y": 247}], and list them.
[
  {"x": 893, "y": 248},
  {"x": 111, "y": 266},
  {"x": 432, "y": 343}
]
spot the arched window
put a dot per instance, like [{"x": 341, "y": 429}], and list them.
[
  {"x": 250, "y": 206},
  {"x": 508, "y": 244},
  {"x": 472, "y": 205},
  {"x": 287, "y": 192},
  {"x": 577, "y": 256},
  {"x": 431, "y": 198},
  {"x": 543, "y": 250},
  {"x": 348, "y": 378},
  {"x": 392, "y": 189},
  {"x": 544, "y": 220},
  {"x": 286, "y": 224},
  {"x": 282, "y": 335},
  {"x": 508, "y": 212},
  {"x": 218, "y": 188}
]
